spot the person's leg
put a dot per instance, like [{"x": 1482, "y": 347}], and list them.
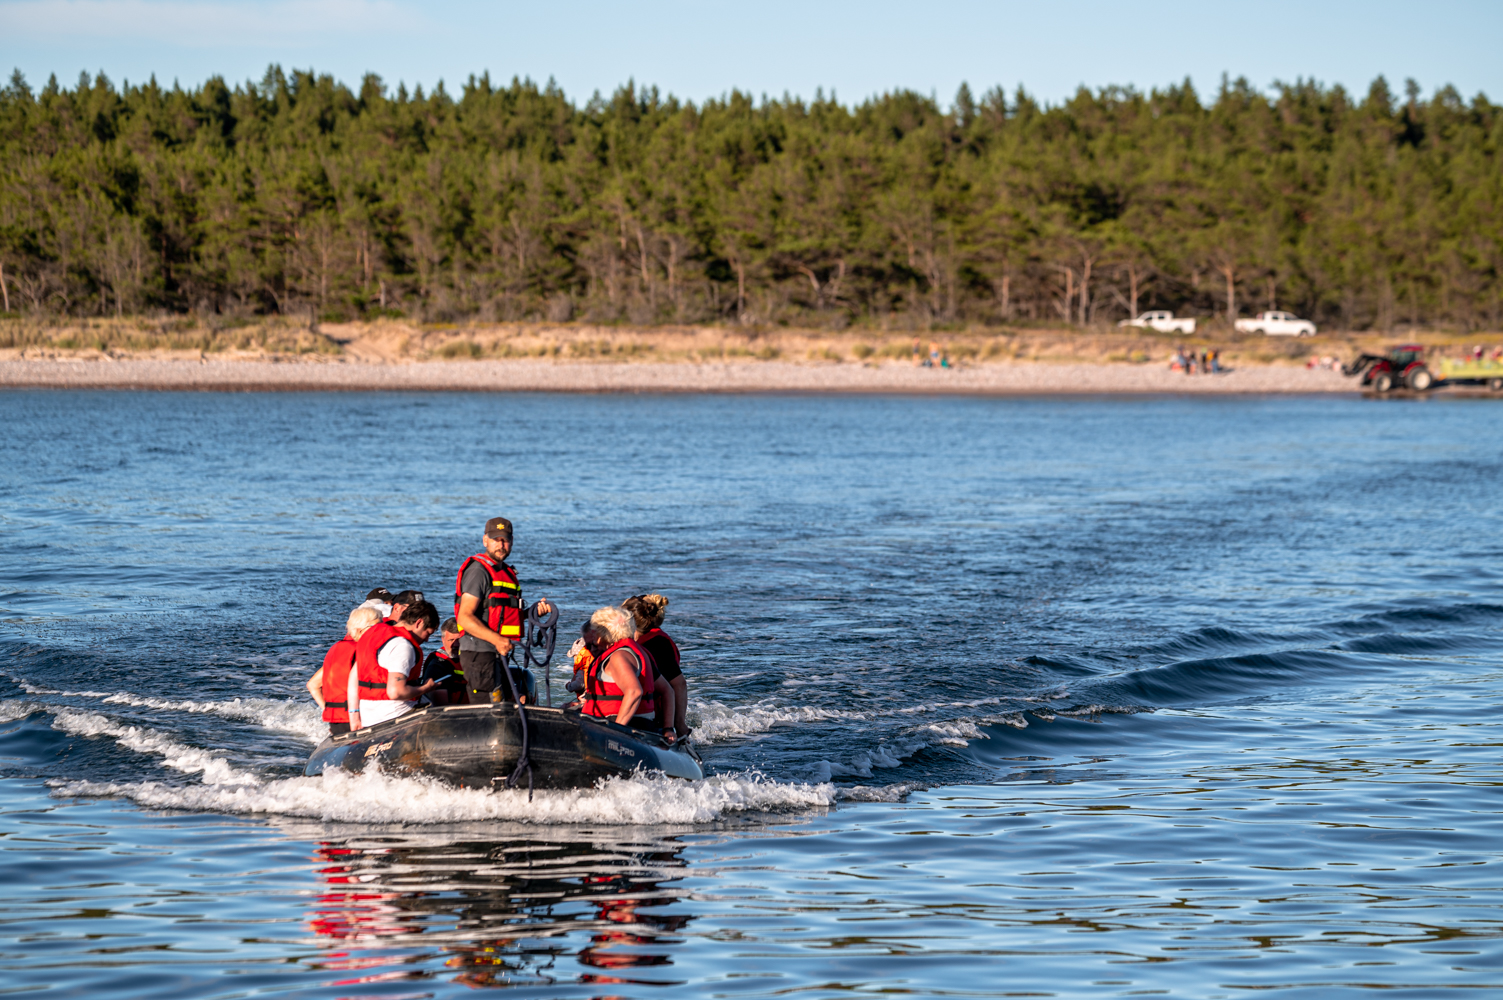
[
  {"x": 680, "y": 702},
  {"x": 479, "y": 673}
]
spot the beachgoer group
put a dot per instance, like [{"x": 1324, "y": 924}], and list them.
[
  {"x": 1190, "y": 362},
  {"x": 626, "y": 667}
]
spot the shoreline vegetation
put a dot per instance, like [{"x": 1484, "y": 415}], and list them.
[
  {"x": 282, "y": 353},
  {"x": 301, "y": 196},
  {"x": 399, "y": 341}
]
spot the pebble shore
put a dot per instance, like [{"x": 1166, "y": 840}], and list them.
[{"x": 582, "y": 376}]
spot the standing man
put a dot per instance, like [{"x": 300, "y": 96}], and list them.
[{"x": 489, "y": 609}]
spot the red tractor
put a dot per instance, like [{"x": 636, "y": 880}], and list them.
[{"x": 1402, "y": 366}]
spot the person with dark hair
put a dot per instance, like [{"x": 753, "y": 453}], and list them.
[
  {"x": 402, "y": 601},
  {"x": 443, "y": 668},
  {"x": 380, "y": 598},
  {"x": 489, "y": 609},
  {"x": 647, "y": 619},
  {"x": 388, "y": 660}
]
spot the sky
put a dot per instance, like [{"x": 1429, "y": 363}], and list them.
[{"x": 771, "y": 47}]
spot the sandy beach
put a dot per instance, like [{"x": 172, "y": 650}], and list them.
[{"x": 654, "y": 377}]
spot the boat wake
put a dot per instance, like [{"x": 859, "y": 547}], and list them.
[{"x": 373, "y": 797}]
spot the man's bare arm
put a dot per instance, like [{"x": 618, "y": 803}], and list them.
[
  {"x": 398, "y": 688},
  {"x": 316, "y": 687},
  {"x": 472, "y": 625}
]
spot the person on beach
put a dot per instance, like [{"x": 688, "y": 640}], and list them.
[
  {"x": 489, "y": 609},
  {"x": 647, "y": 621},
  {"x": 330, "y": 682},
  {"x": 388, "y": 660},
  {"x": 443, "y": 669},
  {"x": 620, "y": 681}
]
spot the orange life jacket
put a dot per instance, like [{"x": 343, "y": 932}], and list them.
[
  {"x": 372, "y": 674},
  {"x": 602, "y": 699},
  {"x": 501, "y": 609},
  {"x": 337, "y": 663}
]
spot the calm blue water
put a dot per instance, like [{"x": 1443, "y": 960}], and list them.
[{"x": 999, "y": 696}]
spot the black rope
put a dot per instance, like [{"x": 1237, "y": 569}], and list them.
[{"x": 539, "y": 630}]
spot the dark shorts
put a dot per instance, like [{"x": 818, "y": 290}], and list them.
[
  {"x": 338, "y": 728},
  {"x": 482, "y": 672}
]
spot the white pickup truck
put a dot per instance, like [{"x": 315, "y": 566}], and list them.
[
  {"x": 1163, "y": 322},
  {"x": 1276, "y": 324}
]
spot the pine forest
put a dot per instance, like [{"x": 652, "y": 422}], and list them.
[{"x": 301, "y": 197}]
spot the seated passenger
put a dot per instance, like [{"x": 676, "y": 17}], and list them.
[
  {"x": 330, "y": 681},
  {"x": 380, "y": 599},
  {"x": 582, "y": 658},
  {"x": 647, "y": 620},
  {"x": 442, "y": 668},
  {"x": 388, "y": 660},
  {"x": 619, "y": 683},
  {"x": 402, "y": 601}
]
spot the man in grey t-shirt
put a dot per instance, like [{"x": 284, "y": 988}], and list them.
[{"x": 489, "y": 609}]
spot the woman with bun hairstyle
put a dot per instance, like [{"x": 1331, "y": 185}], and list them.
[{"x": 647, "y": 618}]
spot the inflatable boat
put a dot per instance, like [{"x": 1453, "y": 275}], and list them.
[{"x": 483, "y": 746}]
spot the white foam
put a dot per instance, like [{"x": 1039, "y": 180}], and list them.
[
  {"x": 957, "y": 733},
  {"x": 1013, "y": 719},
  {"x": 189, "y": 760},
  {"x": 301, "y": 718},
  {"x": 374, "y": 797},
  {"x": 881, "y": 793},
  {"x": 1093, "y": 710},
  {"x": 10, "y": 711},
  {"x": 714, "y": 721}
]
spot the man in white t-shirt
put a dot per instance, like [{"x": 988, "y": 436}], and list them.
[{"x": 388, "y": 660}]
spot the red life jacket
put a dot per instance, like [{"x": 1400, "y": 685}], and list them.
[
  {"x": 372, "y": 674},
  {"x": 337, "y": 663},
  {"x": 602, "y": 699},
  {"x": 657, "y": 633},
  {"x": 501, "y": 609}
]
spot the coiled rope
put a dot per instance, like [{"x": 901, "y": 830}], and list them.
[{"x": 540, "y": 631}]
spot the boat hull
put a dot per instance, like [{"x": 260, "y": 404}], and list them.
[{"x": 477, "y": 746}]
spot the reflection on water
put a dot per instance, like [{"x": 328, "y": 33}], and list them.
[{"x": 499, "y": 913}]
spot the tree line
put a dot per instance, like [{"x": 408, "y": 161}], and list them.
[{"x": 300, "y": 196}]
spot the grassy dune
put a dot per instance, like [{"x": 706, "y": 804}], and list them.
[{"x": 395, "y": 341}]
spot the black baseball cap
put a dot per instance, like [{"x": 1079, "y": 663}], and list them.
[
  {"x": 498, "y": 527},
  {"x": 379, "y": 594},
  {"x": 408, "y": 597}
]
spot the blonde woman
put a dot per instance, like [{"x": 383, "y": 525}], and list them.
[
  {"x": 621, "y": 682},
  {"x": 330, "y": 681}
]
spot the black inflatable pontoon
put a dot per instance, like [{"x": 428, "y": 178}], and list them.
[{"x": 479, "y": 746}]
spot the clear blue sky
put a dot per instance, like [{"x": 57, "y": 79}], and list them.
[{"x": 697, "y": 50}]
